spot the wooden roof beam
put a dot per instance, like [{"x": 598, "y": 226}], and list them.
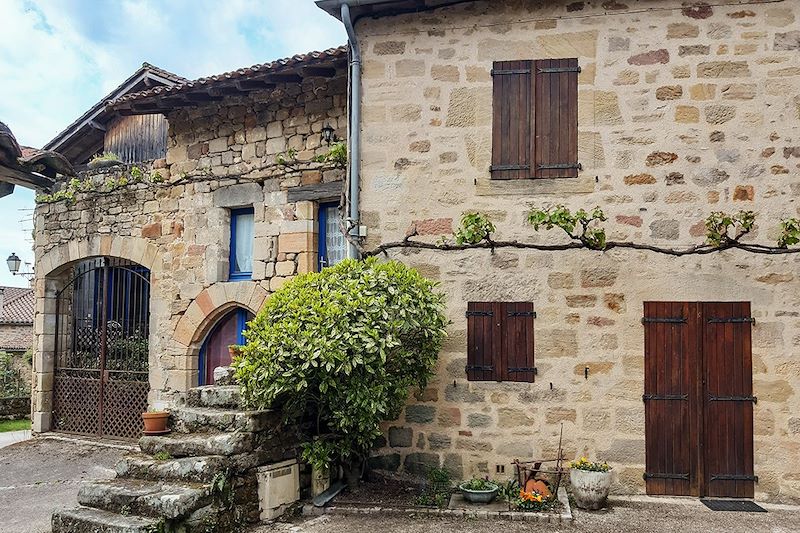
[{"x": 323, "y": 72}]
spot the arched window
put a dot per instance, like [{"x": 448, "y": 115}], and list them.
[{"x": 214, "y": 352}]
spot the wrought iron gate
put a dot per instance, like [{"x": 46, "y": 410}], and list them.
[{"x": 101, "y": 349}]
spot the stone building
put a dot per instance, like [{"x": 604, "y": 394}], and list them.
[
  {"x": 16, "y": 320},
  {"x": 681, "y": 109},
  {"x": 147, "y": 269}
]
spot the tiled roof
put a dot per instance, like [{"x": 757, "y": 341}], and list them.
[
  {"x": 18, "y": 306},
  {"x": 272, "y": 67}
]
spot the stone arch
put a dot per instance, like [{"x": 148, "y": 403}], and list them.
[
  {"x": 134, "y": 249},
  {"x": 211, "y": 305}
]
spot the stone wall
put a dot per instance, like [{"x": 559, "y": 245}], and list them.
[
  {"x": 15, "y": 408},
  {"x": 683, "y": 110},
  {"x": 220, "y": 156}
]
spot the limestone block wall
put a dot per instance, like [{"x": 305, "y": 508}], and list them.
[
  {"x": 220, "y": 156},
  {"x": 683, "y": 110}
]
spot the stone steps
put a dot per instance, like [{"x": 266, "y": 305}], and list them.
[
  {"x": 145, "y": 498},
  {"x": 89, "y": 520},
  {"x": 194, "y": 444},
  {"x": 192, "y": 469},
  {"x": 226, "y": 396},
  {"x": 205, "y": 419}
]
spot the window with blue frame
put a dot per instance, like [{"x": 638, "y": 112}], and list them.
[
  {"x": 332, "y": 247},
  {"x": 241, "y": 259}
]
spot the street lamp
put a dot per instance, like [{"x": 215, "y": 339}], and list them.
[
  {"x": 14, "y": 263},
  {"x": 328, "y": 134}
]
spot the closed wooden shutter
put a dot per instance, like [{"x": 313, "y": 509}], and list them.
[
  {"x": 518, "y": 342},
  {"x": 556, "y": 118},
  {"x": 535, "y": 119},
  {"x": 511, "y": 124},
  {"x": 500, "y": 341},
  {"x": 670, "y": 364},
  {"x": 729, "y": 400},
  {"x": 483, "y": 338}
]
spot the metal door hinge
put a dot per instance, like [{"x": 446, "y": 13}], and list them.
[
  {"x": 666, "y": 320},
  {"x": 661, "y": 475},
  {"x": 479, "y": 313},
  {"x": 648, "y": 397},
  {"x": 522, "y": 313},
  {"x": 553, "y": 70},
  {"x": 753, "y": 399},
  {"x": 735, "y": 320}
]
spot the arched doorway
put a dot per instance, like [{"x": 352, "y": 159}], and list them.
[
  {"x": 228, "y": 330},
  {"x": 101, "y": 377}
]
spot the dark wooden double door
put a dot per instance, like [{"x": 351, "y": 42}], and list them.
[{"x": 698, "y": 398}]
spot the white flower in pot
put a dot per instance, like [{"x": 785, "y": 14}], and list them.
[{"x": 590, "y": 483}]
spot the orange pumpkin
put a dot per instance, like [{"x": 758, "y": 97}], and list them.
[{"x": 536, "y": 485}]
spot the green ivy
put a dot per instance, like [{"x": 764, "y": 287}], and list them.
[
  {"x": 475, "y": 227},
  {"x": 339, "y": 350},
  {"x": 790, "y": 232},
  {"x": 719, "y": 224},
  {"x": 559, "y": 216}
]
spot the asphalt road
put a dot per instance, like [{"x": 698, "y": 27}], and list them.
[{"x": 39, "y": 476}]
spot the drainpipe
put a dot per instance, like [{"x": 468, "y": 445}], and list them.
[{"x": 354, "y": 127}]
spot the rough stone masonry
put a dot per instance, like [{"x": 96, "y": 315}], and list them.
[{"x": 683, "y": 109}]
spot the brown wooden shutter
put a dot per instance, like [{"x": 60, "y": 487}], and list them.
[
  {"x": 500, "y": 341},
  {"x": 555, "y": 118},
  {"x": 483, "y": 338},
  {"x": 517, "y": 363},
  {"x": 512, "y": 118},
  {"x": 670, "y": 372},
  {"x": 729, "y": 400}
]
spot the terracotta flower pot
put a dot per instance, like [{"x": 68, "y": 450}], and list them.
[
  {"x": 155, "y": 422},
  {"x": 590, "y": 489}
]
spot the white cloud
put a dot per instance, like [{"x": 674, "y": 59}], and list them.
[{"x": 58, "y": 58}]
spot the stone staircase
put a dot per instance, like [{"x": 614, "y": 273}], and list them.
[{"x": 199, "y": 478}]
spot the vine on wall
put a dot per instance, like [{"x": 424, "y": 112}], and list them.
[{"x": 585, "y": 229}]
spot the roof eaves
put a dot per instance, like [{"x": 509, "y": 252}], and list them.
[
  {"x": 272, "y": 67},
  {"x": 145, "y": 71}
]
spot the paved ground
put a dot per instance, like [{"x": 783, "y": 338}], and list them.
[
  {"x": 7, "y": 438},
  {"x": 647, "y": 516},
  {"x": 39, "y": 476}
]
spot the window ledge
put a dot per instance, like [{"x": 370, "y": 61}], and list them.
[{"x": 583, "y": 184}]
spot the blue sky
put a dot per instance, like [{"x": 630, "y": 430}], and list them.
[{"x": 60, "y": 57}]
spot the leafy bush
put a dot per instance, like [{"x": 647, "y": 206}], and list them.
[{"x": 339, "y": 349}]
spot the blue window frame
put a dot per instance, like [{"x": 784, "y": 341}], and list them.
[
  {"x": 332, "y": 247},
  {"x": 241, "y": 258}
]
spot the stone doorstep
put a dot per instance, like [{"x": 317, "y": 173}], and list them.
[
  {"x": 223, "y": 396},
  {"x": 197, "y": 469},
  {"x": 190, "y": 419},
  {"x": 194, "y": 444},
  {"x": 89, "y": 520},
  {"x": 565, "y": 516},
  {"x": 145, "y": 498}
]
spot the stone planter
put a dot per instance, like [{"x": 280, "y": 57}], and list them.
[
  {"x": 479, "y": 496},
  {"x": 590, "y": 489},
  {"x": 320, "y": 481}
]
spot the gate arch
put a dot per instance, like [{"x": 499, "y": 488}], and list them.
[{"x": 102, "y": 331}]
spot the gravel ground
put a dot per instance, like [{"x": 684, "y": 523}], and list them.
[
  {"x": 644, "y": 515},
  {"x": 41, "y": 475}
]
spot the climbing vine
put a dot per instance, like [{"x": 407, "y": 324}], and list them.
[
  {"x": 72, "y": 187},
  {"x": 584, "y": 228}
]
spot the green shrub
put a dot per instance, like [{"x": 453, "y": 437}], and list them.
[{"x": 340, "y": 349}]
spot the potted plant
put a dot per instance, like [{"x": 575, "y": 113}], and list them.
[
  {"x": 479, "y": 490},
  {"x": 155, "y": 422},
  {"x": 590, "y": 483},
  {"x": 105, "y": 160}
]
